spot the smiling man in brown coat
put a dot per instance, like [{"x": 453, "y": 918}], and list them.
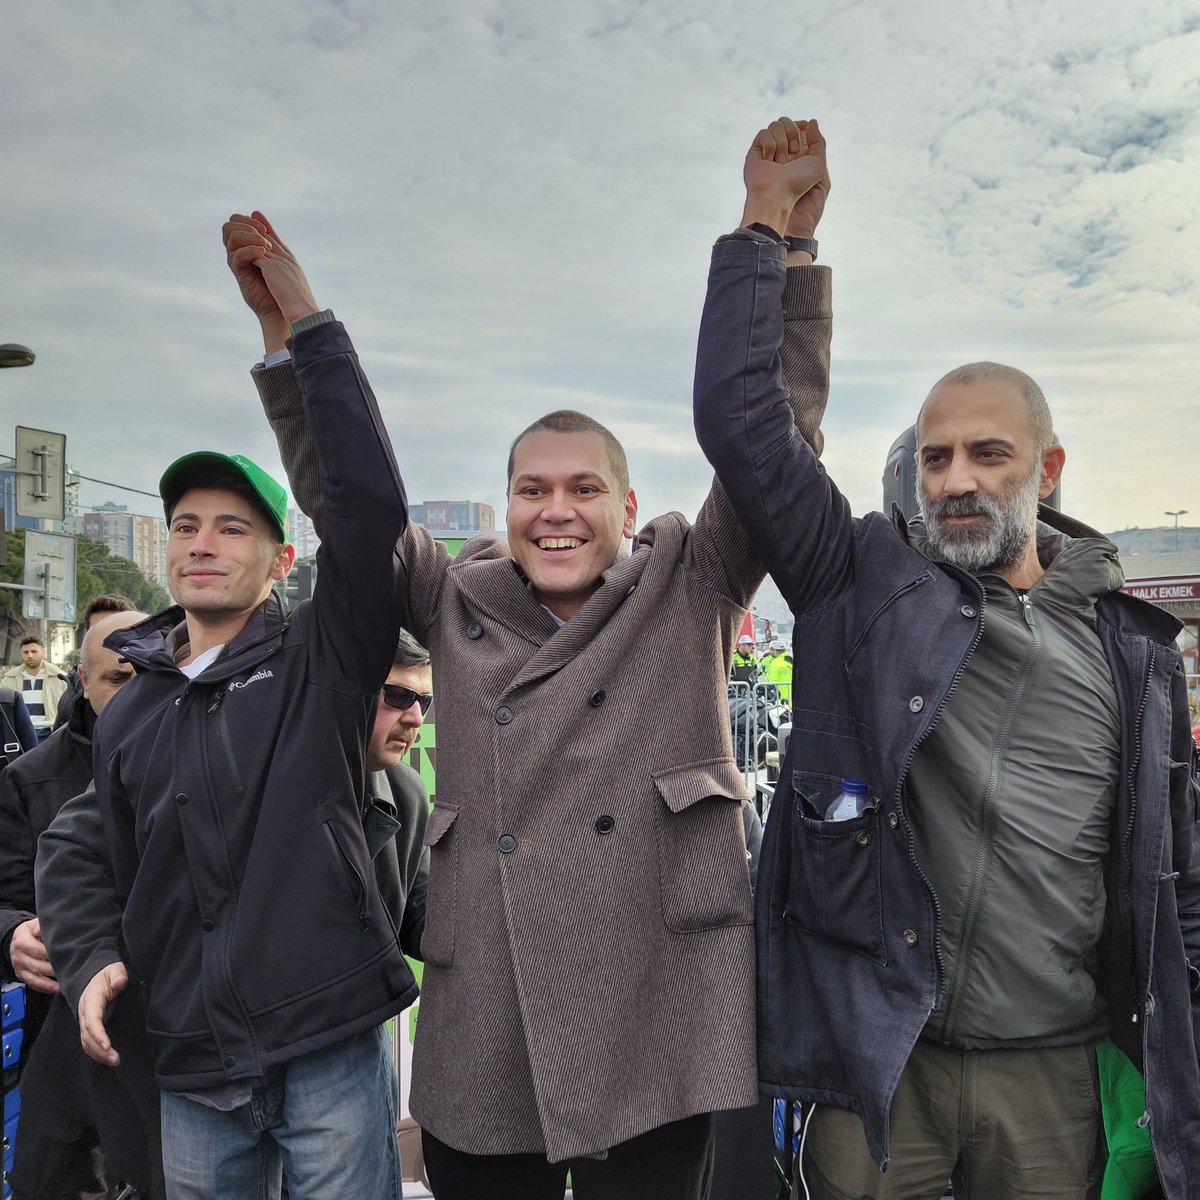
[{"x": 589, "y": 958}]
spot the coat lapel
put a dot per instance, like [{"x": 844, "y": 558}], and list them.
[
  {"x": 495, "y": 588},
  {"x": 569, "y": 640}
]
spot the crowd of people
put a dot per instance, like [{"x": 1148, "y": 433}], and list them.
[{"x": 987, "y": 972}]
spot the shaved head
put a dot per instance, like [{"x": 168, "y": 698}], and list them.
[
  {"x": 992, "y": 372},
  {"x": 93, "y": 640}
]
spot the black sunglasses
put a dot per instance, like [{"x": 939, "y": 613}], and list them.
[{"x": 401, "y": 698}]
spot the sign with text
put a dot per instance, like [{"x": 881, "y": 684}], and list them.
[{"x": 1181, "y": 590}]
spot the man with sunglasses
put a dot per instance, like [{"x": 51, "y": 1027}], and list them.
[{"x": 397, "y": 803}]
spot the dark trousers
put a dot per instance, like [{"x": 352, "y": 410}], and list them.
[
  {"x": 69, "y": 1103},
  {"x": 672, "y": 1162},
  {"x": 1003, "y": 1124}
]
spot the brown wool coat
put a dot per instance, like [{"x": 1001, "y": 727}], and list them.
[{"x": 589, "y": 952}]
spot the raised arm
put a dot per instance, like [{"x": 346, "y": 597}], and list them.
[
  {"x": 361, "y": 593},
  {"x": 744, "y": 409},
  {"x": 279, "y": 391}
]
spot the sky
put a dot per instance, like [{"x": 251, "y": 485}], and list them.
[{"x": 511, "y": 208}]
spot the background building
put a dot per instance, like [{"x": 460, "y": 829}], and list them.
[
  {"x": 133, "y": 536},
  {"x": 301, "y": 534},
  {"x": 454, "y": 516}
]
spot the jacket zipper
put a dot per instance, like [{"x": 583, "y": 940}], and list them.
[
  {"x": 1127, "y": 836},
  {"x": 987, "y": 819},
  {"x": 939, "y": 958},
  {"x": 357, "y": 886}
]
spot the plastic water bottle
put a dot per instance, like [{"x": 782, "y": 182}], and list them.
[{"x": 851, "y": 801}]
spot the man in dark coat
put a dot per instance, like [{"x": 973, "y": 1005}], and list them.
[
  {"x": 956, "y": 971},
  {"x": 69, "y": 1103}
]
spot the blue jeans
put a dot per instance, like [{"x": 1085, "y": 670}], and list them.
[{"x": 327, "y": 1119}]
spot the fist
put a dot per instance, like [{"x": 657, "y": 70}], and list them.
[{"x": 31, "y": 963}]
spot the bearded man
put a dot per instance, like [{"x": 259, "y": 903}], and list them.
[{"x": 955, "y": 976}]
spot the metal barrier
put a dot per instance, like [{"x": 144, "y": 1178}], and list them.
[{"x": 757, "y": 718}]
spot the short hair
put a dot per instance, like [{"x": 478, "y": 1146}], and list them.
[
  {"x": 1035, "y": 398},
  {"x": 567, "y": 420},
  {"x": 32, "y": 639},
  {"x": 410, "y": 652},
  {"x": 109, "y": 602}
]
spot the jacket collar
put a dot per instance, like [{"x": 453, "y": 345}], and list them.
[
  {"x": 81, "y": 722},
  {"x": 153, "y": 644},
  {"x": 1127, "y": 613}
]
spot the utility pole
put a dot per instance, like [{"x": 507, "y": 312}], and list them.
[{"x": 1176, "y": 514}]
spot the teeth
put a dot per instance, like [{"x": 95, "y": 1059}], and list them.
[{"x": 559, "y": 543}]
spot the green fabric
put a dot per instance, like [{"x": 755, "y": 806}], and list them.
[
  {"x": 193, "y": 469},
  {"x": 1130, "y": 1173}
]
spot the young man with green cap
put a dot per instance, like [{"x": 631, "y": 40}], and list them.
[{"x": 230, "y": 778}]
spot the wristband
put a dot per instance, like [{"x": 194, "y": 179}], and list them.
[{"x": 804, "y": 245}]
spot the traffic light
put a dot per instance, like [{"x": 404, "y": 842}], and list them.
[{"x": 300, "y": 583}]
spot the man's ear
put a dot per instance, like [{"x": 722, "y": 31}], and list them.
[
  {"x": 1053, "y": 458},
  {"x": 284, "y": 561},
  {"x": 630, "y": 525}
]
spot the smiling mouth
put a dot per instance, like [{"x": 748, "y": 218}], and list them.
[{"x": 558, "y": 543}]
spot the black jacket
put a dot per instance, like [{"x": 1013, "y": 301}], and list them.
[
  {"x": 233, "y": 803},
  {"x": 32, "y": 791},
  {"x": 395, "y": 829},
  {"x": 847, "y": 924}
]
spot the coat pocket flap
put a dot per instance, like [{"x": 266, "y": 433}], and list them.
[
  {"x": 441, "y": 818},
  {"x": 681, "y": 787}
]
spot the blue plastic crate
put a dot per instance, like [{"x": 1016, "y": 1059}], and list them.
[
  {"x": 12, "y": 1104},
  {"x": 13, "y": 1004},
  {"x": 12, "y": 1047},
  {"x": 10, "y": 1141}
]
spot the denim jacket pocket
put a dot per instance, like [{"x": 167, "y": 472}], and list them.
[
  {"x": 437, "y": 940},
  {"x": 835, "y": 891},
  {"x": 703, "y": 879}
]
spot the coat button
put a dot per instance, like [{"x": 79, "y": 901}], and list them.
[
  {"x": 863, "y": 839},
  {"x": 507, "y": 843},
  {"x": 474, "y": 630},
  {"x": 916, "y": 704},
  {"x": 181, "y": 799},
  {"x": 208, "y": 927},
  {"x": 605, "y": 824},
  {"x": 596, "y": 698},
  {"x": 910, "y": 937},
  {"x": 967, "y": 610},
  {"x": 229, "y": 1061},
  {"x": 894, "y": 821},
  {"x": 503, "y": 715}
]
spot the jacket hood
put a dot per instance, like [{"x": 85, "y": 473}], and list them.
[{"x": 155, "y": 644}]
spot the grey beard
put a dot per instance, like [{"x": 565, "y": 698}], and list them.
[{"x": 994, "y": 545}]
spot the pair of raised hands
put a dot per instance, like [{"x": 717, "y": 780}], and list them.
[
  {"x": 786, "y": 177},
  {"x": 270, "y": 278}
]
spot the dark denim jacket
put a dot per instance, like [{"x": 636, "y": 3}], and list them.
[{"x": 847, "y": 924}]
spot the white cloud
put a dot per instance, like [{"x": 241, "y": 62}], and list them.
[{"x": 511, "y": 207}]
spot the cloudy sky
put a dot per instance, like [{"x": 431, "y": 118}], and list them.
[{"x": 510, "y": 205}]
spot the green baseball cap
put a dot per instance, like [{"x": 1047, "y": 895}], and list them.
[{"x": 206, "y": 468}]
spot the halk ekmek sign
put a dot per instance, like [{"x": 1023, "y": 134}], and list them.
[{"x": 1166, "y": 591}]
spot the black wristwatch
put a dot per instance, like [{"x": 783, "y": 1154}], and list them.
[{"x": 806, "y": 245}]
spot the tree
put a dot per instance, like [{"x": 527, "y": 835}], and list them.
[{"x": 97, "y": 570}]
